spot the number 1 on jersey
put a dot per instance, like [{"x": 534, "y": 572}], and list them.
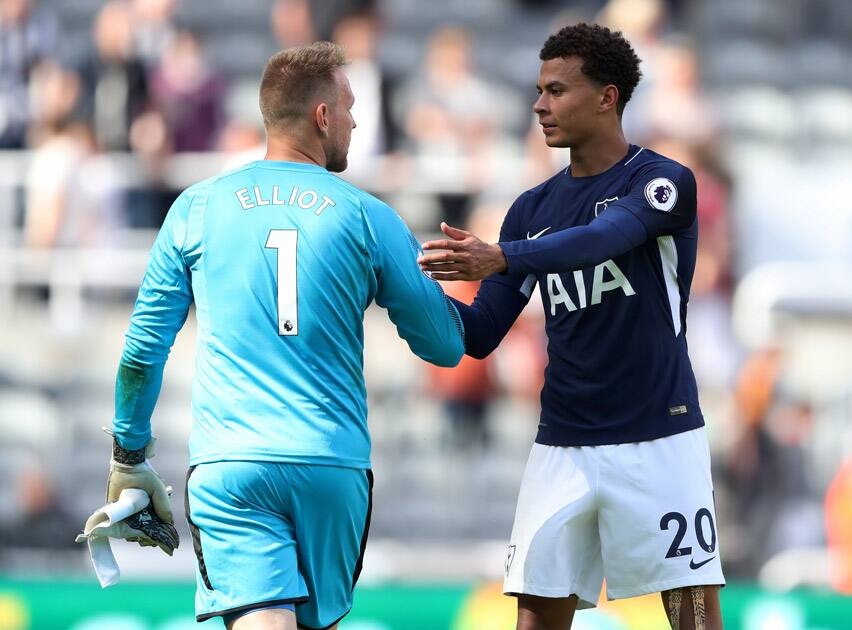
[{"x": 285, "y": 242}]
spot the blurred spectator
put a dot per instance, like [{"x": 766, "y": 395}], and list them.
[
  {"x": 326, "y": 14},
  {"x": 115, "y": 87},
  {"x": 54, "y": 91},
  {"x": 41, "y": 519},
  {"x": 774, "y": 503},
  {"x": 641, "y": 21},
  {"x": 153, "y": 29},
  {"x": 185, "y": 88},
  {"x": 27, "y": 37},
  {"x": 73, "y": 198},
  {"x": 291, "y": 23},
  {"x": 242, "y": 143},
  {"x": 467, "y": 390},
  {"x": 455, "y": 120},
  {"x": 299, "y": 22},
  {"x": 374, "y": 135},
  {"x": 59, "y": 149},
  {"x": 673, "y": 105}
]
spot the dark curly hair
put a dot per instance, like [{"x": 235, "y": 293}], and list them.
[{"x": 607, "y": 57}]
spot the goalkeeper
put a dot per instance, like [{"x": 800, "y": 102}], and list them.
[{"x": 281, "y": 258}]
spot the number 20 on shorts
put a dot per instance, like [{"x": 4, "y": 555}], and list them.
[
  {"x": 703, "y": 515},
  {"x": 285, "y": 243}
]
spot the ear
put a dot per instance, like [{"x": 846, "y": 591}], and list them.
[
  {"x": 321, "y": 117},
  {"x": 609, "y": 98}
]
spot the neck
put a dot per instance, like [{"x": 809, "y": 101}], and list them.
[
  {"x": 290, "y": 149},
  {"x": 598, "y": 153}
]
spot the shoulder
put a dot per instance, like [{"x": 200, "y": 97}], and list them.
[
  {"x": 652, "y": 164},
  {"x": 355, "y": 195},
  {"x": 374, "y": 210},
  {"x": 661, "y": 179}
]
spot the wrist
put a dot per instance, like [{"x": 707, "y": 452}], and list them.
[
  {"x": 501, "y": 263},
  {"x": 128, "y": 457}
]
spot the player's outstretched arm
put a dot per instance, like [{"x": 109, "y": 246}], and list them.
[
  {"x": 416, "y": 304},
  {"x": 661, "y": 201},
  {"x": 469, "y": 258}
]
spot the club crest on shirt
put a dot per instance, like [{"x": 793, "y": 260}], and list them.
[
  {"x": 600, "y": 206},
  {"x": 661, "y": 193},
  {"x": 509, "y": 557}
]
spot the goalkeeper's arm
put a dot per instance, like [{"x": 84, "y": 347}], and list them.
[{"x": 160, "y": 311}]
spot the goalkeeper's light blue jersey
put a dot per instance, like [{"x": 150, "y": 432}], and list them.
[{"x": 281, "y": 259}]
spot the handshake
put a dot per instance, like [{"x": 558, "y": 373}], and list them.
[{"x": 128, "y": 515}]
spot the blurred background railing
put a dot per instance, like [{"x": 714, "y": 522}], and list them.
[{"x": 109, "y": 109}]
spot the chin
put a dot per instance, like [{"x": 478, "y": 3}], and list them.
[{"x": 557, "y": 143}]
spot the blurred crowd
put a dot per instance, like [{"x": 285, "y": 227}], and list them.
[{"x": 146, "y": 102}]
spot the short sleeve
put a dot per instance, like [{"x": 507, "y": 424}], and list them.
[{"x": 662, "y": 197}]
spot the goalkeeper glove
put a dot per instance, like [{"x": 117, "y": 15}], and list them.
[
  {"x": 143, "y": 527},
  {"x": 149, "y": 530},
  {"x": 131, "y": 469}
]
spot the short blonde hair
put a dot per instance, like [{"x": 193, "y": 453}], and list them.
[{"x": 294, "y": 78}]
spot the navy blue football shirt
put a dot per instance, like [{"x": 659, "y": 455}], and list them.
[{"x": 613, "y": 255}]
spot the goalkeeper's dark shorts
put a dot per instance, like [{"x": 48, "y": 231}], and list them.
[{"x": 268, "y": 533}]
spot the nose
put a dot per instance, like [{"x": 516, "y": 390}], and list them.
[{"x": 539, "y": 105}]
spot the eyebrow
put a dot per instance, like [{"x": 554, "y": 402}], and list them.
[{"x": 551, "y": 84}]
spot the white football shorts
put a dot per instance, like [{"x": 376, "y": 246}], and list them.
[{"x": 640, "y": 514}]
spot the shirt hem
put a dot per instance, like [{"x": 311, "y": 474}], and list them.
[
  {"x": 284, "y": 458},
  {"x": 606, "y": 438}
]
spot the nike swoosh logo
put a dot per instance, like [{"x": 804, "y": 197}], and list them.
[
  {"x": 535, "y": 236},
  {"x": 694, "y": 566}
]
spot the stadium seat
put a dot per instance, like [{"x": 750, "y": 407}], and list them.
[
  {"x": 822, "y": 62},
  {"x": 759, "y": 112},
  {"x": 743, "y": 62},
  {"x": 825, "y": 116},
  {"x": 776, "y": 21}
]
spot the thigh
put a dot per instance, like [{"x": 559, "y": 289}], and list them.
[
  {"x": 331, "y": 517},
  {"x": 554, "y": 551},
  {"x": 244, "y": 542},
  {"x": 265, "y": 619},
  {"x": 543, "y": 613},
  {"x": 657, "y": 517}
]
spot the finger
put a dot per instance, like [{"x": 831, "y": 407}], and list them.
[
  {"x": 454, "y": 232},
  {"x": 442, "y": 267},
  {"x": 438, "y": 257},
  {"x": 451, "y": 276},
  {"x": 443, "y": 244},
  {"x": 160, "y": 501}
]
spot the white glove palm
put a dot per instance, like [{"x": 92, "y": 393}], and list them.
[{"x": 131, "y": 469}]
